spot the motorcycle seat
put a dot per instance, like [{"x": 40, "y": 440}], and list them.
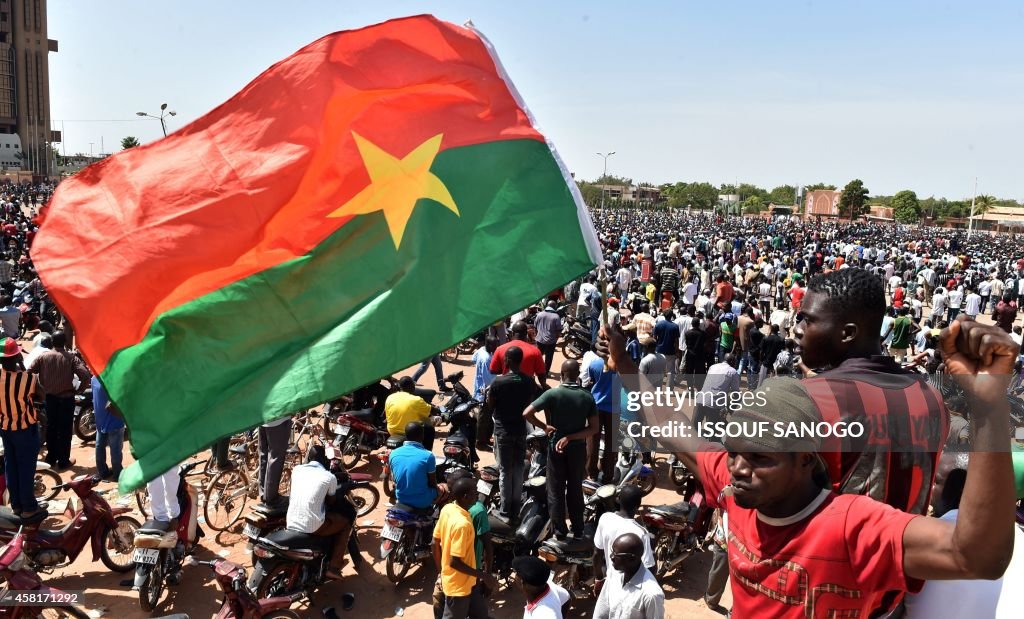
[
  {"x": 457, "y": 439},
  {"x": 676, "y": 510},
  {"x": 11, "y": 522},
  {"x": 490, "y": 473},
  {"x": 270, "y": 511},
  {"x": 499, "y": 527},
  {"x": 365, "y": 414},
  {"x": 537, "y": 435},
  {"x": 294, "y": 540},
  {"x": 239, "y": 450},
  {"x": 421, "y": 513},
  {"x": 394, "y": 442},
  {"x": 572, "y": 546}
]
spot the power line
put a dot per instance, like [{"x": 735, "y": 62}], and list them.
[{"x": 112, "y": 120}]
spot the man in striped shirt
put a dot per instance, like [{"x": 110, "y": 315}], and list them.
[
  {"x": 57, "y": 369},
  {"x": 19, "y": 430}
]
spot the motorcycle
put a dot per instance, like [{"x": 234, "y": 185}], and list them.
[
  {"x": 678, "y": 531},
  {"x": 576, "y": 338},
  {"x": 630, "y": 459},
  {"x": 159, "y": 555},
  {"x": 85, "y": 417},
  {"x": 19, "y": 578},
  {"x": 106, "y": 529},
  {"x": 240, "y": 603},
  {"x": 288, "y": 562}
]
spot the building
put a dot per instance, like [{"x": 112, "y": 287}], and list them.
[
  {"x": 821, "y": 203},
  {"x": 631, "y": 193},
  {"x": 25, "y": 82},
  {"x": 1000, "y": 219}
]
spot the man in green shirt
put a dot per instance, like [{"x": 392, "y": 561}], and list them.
[
  {"x": 571, "y": 415},
  {"x": 902, "y": 334}
]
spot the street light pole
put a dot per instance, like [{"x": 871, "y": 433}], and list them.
[
  {"x": 970, "y": 220},
  {"x": 164, "y": 113},
  {"x": 604, "y": 180}
]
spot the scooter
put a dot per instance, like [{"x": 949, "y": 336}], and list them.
[
  {"x": 106, "y": 529},
  {"x": 240, "y": 603},
  {"x": 46, "y": 482},
  {"x": 20, "y": 579},
  {"x": 159, "y": 554},
  {"x": 511, "y": 541}
]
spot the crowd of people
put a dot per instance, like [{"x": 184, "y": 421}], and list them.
[{"x": 836, "y": 321}]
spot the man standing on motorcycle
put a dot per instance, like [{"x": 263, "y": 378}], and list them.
[
  {"x": 455, "y": 555},
  {"x": 404, "y": 407},
  {"x": 313, "y": 487},
  {"x": 10, "y": 318},
  {"x": 481, "y": 383},
  {"x": 571, "y": 416},
  {"x": 509, "y": 396},
  {"x": 532, "y": 363},
  {"x": 549, "y": 326}
]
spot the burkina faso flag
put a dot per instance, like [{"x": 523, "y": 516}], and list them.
[{"x": 368, "y": 201}]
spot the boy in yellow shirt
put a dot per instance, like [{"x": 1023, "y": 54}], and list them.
[{"x": 455, "y": 556}]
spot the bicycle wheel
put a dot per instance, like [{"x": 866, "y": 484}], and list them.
[
  {"x": 365, "y": 498},
  {"x": 225, "y": 500},
  {"x": 45, "y": 484}
]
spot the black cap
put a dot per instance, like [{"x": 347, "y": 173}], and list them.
[{"x": 532, "y": 570}]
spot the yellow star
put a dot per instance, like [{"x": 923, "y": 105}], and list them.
[{"x": 396, "y": 184}]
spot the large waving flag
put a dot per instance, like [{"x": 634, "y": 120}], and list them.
[{"x": 376, "y": 197}]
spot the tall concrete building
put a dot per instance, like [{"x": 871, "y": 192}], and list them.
[{"x": 25, "y": 84}]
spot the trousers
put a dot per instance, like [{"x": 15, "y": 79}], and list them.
[
  {"x": 21, "y": 448},
  {"x": 273, "y": 449},
  {"x": 163, "y": 495},
  {"x": 565, "y": 486},
  {"x": 510, "y": 452}
]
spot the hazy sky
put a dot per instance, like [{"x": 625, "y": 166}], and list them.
[{"x": 904, "y": 95}]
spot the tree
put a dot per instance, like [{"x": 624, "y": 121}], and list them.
[
  {"x": 905, "y": 207},
  {"x": 753, "y": 205},
  {"x": 783, "y": 195},
  {"x": 853, "y": 201},
  {"x": 129, "y": 142},
  {"x": 983, "y": 203},
  {"x": 817, "y": 186},
  {"x": 591, "y": 193}
]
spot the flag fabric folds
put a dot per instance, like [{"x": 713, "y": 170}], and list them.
[{"x": 375, "y": 197}]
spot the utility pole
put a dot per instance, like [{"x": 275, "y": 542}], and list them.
[
  {"x": 604, "y": 180},
  {"x": 970, "y": 221}
]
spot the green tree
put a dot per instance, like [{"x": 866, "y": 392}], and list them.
[
  {"x": 817, "y": 186},
  {"x": 783, "y": 195},
  {"x": 906, "y": 208},
  {"x": 983, "y": 203},
  {"x": 753, "y": 205},
  {"x": 591, "y": 193},
  {"x": 853, "y": 201},
  {"x": 747, "y": 190},
  {"x": 129, "y": 142}
]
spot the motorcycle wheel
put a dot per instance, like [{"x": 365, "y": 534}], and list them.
[
  {"x": 45, "y": 484},
  {"x": 365, "y": 498},
  {"x": 117, "y": 543},
  {"x": 450, "y": 354},
  {"x": 62, "y": 612},
  {"x": 225, "y": 500},
  {"x": 389, "y": 485},
  {"x": 571, "y": 350},
  {"x": 350, "y": 451},
  {"x": 678, "y": 475},
  {"x": 85, "y": 425},
  {"x": 647, "y": 484},
  {"x": 661, "y": 554},
  {"x": 280, "y": 614},
  {"x": 397, "y": 564},
  {"x": 277, "y": 581},
  {"x": 153, "y": 587}
]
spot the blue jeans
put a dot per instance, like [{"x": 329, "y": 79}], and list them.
[
  {"x": 21, "y": 448},
  {"x": 438, "y": 372},
  {"x": 752, "y": 368},
  {"x": 114, "y": 439},
  {"x": 595, "y": 329}
]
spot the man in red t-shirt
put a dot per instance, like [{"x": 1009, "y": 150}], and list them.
[
  {"x": 723, "y": 292},
  {"x": 533, "y": 359},
  {"x": 796, "y": 548}
]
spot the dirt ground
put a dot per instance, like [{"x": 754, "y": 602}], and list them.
[{"x": 199, "y": 596}]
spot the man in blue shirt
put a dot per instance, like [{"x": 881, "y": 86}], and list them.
[
  {"x": 109, "y": 433},
  {"x": 412, "y": 468},
  {"x": 483, "y": 380},
  {"x": 666, "y": 332},
  {"x": 602, "y": 382}
]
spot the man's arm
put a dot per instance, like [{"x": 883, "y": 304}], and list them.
[
  {"x": 432, "y": 479},
  {"x": 980, "y": 544},
  {"x": 531, "y": 415},
  {"x": 459, "y": 565},
  {"x": 436, "y": 547},
  {"x": 488, "y": 551}
]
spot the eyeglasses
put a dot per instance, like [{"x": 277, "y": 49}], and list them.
[{"x": 623, "y": 555}]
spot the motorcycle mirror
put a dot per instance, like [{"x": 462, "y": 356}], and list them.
[{"x": 191, "y": 561}]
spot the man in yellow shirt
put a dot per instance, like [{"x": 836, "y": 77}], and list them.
[
  {"x": 404, "y": 407},
  {"x": 455, "y": 556}
]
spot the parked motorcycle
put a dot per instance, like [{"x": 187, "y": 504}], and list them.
[
  {"x": 19, "y": 578},
  {"x": 510, "y": 541},
  {"x": 240, "y": 603},
  {"x": 631, "y": 459},
  {"x": 159, "y": 554},
  {"x": 575, "y": 338},
  {"x": 107, "y": 530},
  {"x": 85, "y": 417},
  {"x": 678, "y": 530},
  {"x": 288, "y": 562}
]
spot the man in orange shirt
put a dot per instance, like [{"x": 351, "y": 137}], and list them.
[
  {"x": 455, "y": 555},
  {"x": 723, "y": 292}
]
